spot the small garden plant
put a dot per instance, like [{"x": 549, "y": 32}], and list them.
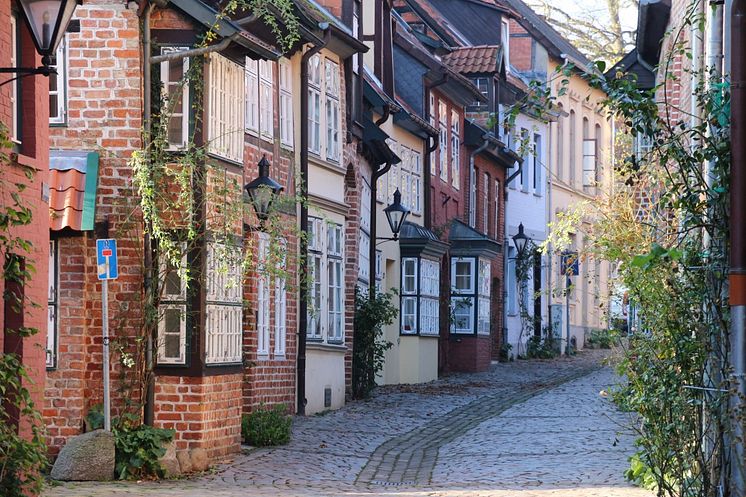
[{"x": 267, "y": 426}]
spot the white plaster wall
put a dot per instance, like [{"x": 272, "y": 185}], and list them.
[
  {"x": 325, "y": 368},
  {"x": 529, "y": 208}
]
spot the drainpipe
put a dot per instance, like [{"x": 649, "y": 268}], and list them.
[
  {"x": 737, "y": 277},
  {"x": 429, "y": 151},
  {"x": 148, "y": 408},
  {"x": 506, "y": 244},
  {"x": 375, "y": 175},
  {"x": 473, "y": 182},
  {"x": 303, "y": 270},
  {"x": 548, "y": 220}
]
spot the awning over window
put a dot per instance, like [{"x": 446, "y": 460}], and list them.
[
  {"x": 416, "y": 240},
  {"x": 73, "y": 180},
  {"x": 466, "y": 241}
]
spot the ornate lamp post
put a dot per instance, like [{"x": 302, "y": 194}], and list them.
[
  {"x": 263, "y": 191},
  {"x": 521, "y": 241},
  {"x": 396, "y": 214},
  {"x": 48, "y": 21}
]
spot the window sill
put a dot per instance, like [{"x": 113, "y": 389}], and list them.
[
  {"x": 232, "y": 162},
  {"x": 326, "y": 346},
  {"x": 263, "y": 356},
  {"x": 316, "y": 160}
]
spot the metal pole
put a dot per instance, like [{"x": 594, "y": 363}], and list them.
[
  {"x": 567, "y": 312},
  {"x": 105, "y": 327}
]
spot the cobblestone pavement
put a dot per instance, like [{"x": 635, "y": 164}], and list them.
[{"x": 525, "y": 429}]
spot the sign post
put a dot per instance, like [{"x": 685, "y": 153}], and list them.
[
  {"x": 107, "y": 269},
  {"x": 570, "y": 268}
]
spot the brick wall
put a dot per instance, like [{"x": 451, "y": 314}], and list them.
[
  {"x": 104, "y": 115},
  {"x": 521, "y": 47},
  {"x": 205, "y": 412}
]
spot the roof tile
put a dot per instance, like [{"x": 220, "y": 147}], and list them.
[{"x": 478, "y": 59}]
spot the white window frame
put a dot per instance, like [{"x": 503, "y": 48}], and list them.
[
  {"x": 226, "y": 93},
  {"x": 486, "y": 202},
  {"x": 281, "y": 304},
  {"x": 262, "y": 299},
  {"x": 286, "y": 103},
  {"x": 443, "y": 131},
  {"x": 538, "y": 164},
  {"x": 483, "y": 318},
  {"x": 429, "y": 304},
  {"x": 408, "y": 276},
  {"x": 527, "y": 159},
  {"x": 53, "y": 307},
  {"x": 590, "y": 164},
  {"x": 459, "y": 302},
  {"x": 455, "y": 150},
  {"x": 482, "y": 85},
  {"x": 15, "y": 132},
  {"x": 58, "y": 113},
  {"x": 483, "y": 278},
  {"x": 455, "y": 261},
  {"x": 251, "y": 112},
  {"x": 314, "y": 104},
  {"x": 178, "y": 88},
  {"x": 327, "y": 272},
  {"x": 266, "y": 99},
  {"x": 169, "y": 302},
  {"x": 335, "y": 283},
  {"x": 408, "y": 315},
  {"x": 497, "y": 209},
  {"x": 333, "y": 117},
  {"x": 223, "y": 305},
  {"x": 505, "y": 35}
]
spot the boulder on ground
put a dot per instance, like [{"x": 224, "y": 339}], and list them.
[
  {"x": 86, "y": 457},
  {"x": 199, "y": 459},
  {"x": 185, "y": 462},
  {"x": 169, "y": 462}
]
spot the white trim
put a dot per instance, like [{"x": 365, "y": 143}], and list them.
[
  {"x": 179, "y": 89},
  {"x": 455, "y": 150},
  {"x": 60, "y": 65},
  {"x": 458, "y": 304},
  {"x": 455, "y": 261},
  {"x": 226, "y": 93},
  {"x": 251, "y": 111},
  {"x": 262, "y": 299},
  {"x": 409, "y": 272},
  {"x": 53, "y": 307},
  {"x": 286, "y": 103},
  {"x": 163, "y": 334}
]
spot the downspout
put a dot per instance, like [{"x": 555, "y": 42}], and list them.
[
  {"x": 506, "y": 244},
  {"x": 473, "y": 182},
  {"x": 303, "y": 180},
  {"x": 737, "y": 276},
  {"x": 548, "y": 221},
  {"x": 429, "y": 152},
  {"x": 375, "y": 175},
  {"x": 149, "y": 407}
]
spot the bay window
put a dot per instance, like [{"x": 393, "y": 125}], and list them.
[
  {"x": 224, "y": 304},
  {"x": 470, "y": 295},
  {"x": 226, "y": 90},
  {"x": 327, "y": 279},
  {"x": 419, "y": 296}
]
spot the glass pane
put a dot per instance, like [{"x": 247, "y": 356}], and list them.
[
  {"x": 175, "y": 70},
  {"x": 172, "y": 282},
  {"x": 172, "y": 346},
  {"x": 172, "y": 321},
  {"x": 463, "y": 275}
]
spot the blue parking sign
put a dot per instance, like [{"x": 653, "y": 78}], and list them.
[{"x": 106, "y": 259}]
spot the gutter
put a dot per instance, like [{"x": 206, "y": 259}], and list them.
[{"x": 303, "y": 269}]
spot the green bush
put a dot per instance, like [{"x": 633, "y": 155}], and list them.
[
  {"x": 138, "y": 450},
  {"x": 368, "y": 345},
  {"x": 603, "y": 339},
  {"x": 542, "y": 348},
  {"x": 267, "y": 427}
]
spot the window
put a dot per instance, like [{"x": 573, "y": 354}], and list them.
[
  {"x": 380, "y": 275},
  {"x": 560, "y": 142},
  {"x": 497, "y": 209},
  {"x": 325, "y": 319},
  {"x": 58, "y": 85},
  {"x": 589, "y": 162},
  {"x": 52, "y": 305},
  {"x": 527, "y": 147},
  {"x": 410, "y": 178},
  {"x": 512, "y": 286},
  {"x": 538, "y": 164},
  {"x": 172, "y": 311},
  {"x": 332, "y": 110},
  {"x": 335, "y": 283},
  {"x": 455, "y": 150},
  {"x": 281, "y": 305},
  {"x": 176, "y": 98},
  {"x": 573, "y": 147},
  {"x": 462, "y": 280},
  {"x": 486, "y": 202},
  {"x": 15, "y": 132},
  {"x": 266, "y": 99},
  {"x": 482, "y": 85},
  {"x": 364, "y": 246},
  {"x": 420, "y": 290},
  {"x": 324, "y": 89},
  {"x": 432, "y": 114},
  {"x": 643, "y": 146},
  {"x": 251, "y": 113},
  {"x": 314, "y": 104},
  {"x": 443, "y": 130},
  {"x": 286, "y": 103},
  {"x": 262, "y": 298},
  {"x": 505, "y": 39},
  {"x": 225, "y": 108},
  {"x": 224, "y": 303},
  {"x": 463, "y": 314}
]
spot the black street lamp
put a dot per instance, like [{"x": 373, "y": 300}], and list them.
[
  {"x": 48, "y": 21},
  {"x": 521, "y": 241},
  {"x": 396, "y": 214},
  {"x": 263, "y": 191}
]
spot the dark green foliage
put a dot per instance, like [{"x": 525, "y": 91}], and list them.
[
  {"x": 369, "y": 347},
  {"x": 267, "y": 427},
  {"x": 545, "y": 347},
  {"x": 138, "y": 450},
  {"x": 603, "y": 339}
]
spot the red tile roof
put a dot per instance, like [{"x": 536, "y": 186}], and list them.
[
  {"x": 478, "y": 59},
  {"x": 71, "y": 174}
]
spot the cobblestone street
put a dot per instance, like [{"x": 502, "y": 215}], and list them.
[{"x": 525, "y": 429}]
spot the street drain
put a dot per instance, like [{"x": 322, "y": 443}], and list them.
[{"x": 391, "y": 483}]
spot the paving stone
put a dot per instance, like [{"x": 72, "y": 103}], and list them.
[{"x": 523, "y": 429}]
